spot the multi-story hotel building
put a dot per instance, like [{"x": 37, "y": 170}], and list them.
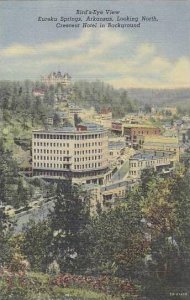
[{"x": 78, "y": 153}]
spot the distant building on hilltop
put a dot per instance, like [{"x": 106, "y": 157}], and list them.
[
  {"x": 38, "y": 92},
  {"x": 54, "y": 78}
]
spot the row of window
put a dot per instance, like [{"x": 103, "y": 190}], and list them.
[
  {"x": 87, "y": 144},
  {"x": 62, "y": 166},
  {"x": 61, "y": 174},
  {"x": 133, "y": 172},
  {"x": 148, "y": 163},
  {"x": 50, "y": 165},
  {"x": 88, "y": 158},
  {"x": 86, "y": 166},
  {"x": 67, "y": 144},
  {"x": 88, "y": 151},
  {"x": 136, "y": 164},
  {"x": 51, "y": 151},
  {"x": 67, "y": 137},
  {"x": 49, "y": 173},
  {"x": 147, "y": 132},
  {"x": 51, "y": 144},
  {"x": 51, "y": 158},
  {"x": 37, "y": 157}
]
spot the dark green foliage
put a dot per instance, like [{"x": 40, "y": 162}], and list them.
[
  {"x": 68, "y": 222},
  {"x": 148, "y": 176},
  {"x": 77, "y": 120},
  {"x": 13, "y": 190},
  {"x": 116, "y": 243},
  {"x": 35, "y": 245},
  {"x": 56, "y": 119},
  {"x": 17, "y": 100},
  {"x": 8, "y": 172},
  {"x": 22, "y": 194},
  {"x": 167, "y": 211},
  {"x": 147, "y": 108},
  {"x": 6, "y": 250}
]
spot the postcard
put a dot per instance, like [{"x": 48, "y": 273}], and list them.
[{"x": 95, "y": 150}]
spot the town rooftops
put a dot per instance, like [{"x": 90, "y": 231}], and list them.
[
  {"x": 161, "y": 139},
  {"x": 116, "y": 145},
  {"x": 150, "y": 156},
  {"x": 129, "y": 125},
  {"x": 89, "y": 126}
]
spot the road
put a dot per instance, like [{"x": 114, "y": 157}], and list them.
[
  {"x": 122, "y": 172},
  {"x": 37, "y": 214}
]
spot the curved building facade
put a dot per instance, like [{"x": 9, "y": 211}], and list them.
[{"x": 79, "y": 153}]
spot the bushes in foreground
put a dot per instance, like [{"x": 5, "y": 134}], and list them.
[
  {"x": 105, "y": 284},
  {"x": 30, "y": 286}
]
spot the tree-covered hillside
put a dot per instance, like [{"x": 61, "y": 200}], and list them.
[
  {"x": 160, "y": 96},
  {"x": 100, "y": 95}
]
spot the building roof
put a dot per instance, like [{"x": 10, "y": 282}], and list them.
[
  {"x": 161, "y": 139},
  {"x": 89, "y": 128},
  {"x": 140, "y": 126},
  {"x": 116, "y": 145},
  {"x": 149, "y": 156}
]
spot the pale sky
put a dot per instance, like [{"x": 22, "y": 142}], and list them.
[{"x": 156, "y": 55}]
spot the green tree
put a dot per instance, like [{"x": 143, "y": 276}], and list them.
[
  {"x": 22, "y": 194},
  {"x": 56, "y": 119},
  {"x": 117, "y": 243},
  {"x": 8, "y": 172},
  {"x": 166, "y": 210},
  {"x": 69, "y": 219},
  {"x": 6, "y": 250},
  {"x": 35, "y": 244}
]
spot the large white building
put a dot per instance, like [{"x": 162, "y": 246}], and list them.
[{"x": 79, "y": 153}]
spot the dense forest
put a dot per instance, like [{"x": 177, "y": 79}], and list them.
[{"x": 99, "y": 95}]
